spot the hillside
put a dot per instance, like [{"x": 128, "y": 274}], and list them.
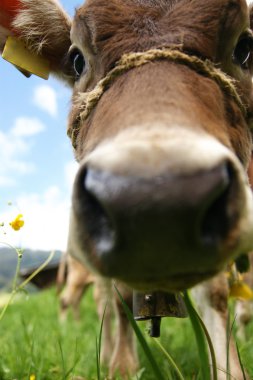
[{"x": 8, "y": 262}]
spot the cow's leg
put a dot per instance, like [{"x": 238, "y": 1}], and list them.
[
  {"x": 71, "y": 297},
  {"x": 77, "y": 282},
  {"x": 103, "y": 297},
  {"x": 77, "y": 301},
  {"x": 124, "y": 359},
  {"x": 211, "y": 298},
  {"x": 65, "y": 302},
  {"x": 64, "y": 306},
  {"x": 61, "y": 273}
]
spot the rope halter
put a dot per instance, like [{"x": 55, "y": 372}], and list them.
[{"x": 128, "y": 61}]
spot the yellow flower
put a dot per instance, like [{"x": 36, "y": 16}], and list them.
[
  {"x": 17, "y": 223},
  {"x": 32, "y": 377},
  {"x": 241, "y": 290}
]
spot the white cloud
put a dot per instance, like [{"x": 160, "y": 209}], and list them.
[
  {"x": 45, "y": 97},
  {"x": 25, "y": 126},
  {"x": 70, "y": 170},
  {"x": 15, "y": 145},
  {"x": 46, "y": 219},
  {"x": 5, "y": 180}
]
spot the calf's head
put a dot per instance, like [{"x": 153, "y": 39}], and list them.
[{"x": 162, "y": 199}]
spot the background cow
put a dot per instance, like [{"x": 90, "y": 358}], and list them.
[{"x": 75, "y": 279}]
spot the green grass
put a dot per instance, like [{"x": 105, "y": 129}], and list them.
[{"x": 33, "y": 342}]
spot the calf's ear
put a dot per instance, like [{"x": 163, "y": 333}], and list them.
[{"x": 45, "y": 28}]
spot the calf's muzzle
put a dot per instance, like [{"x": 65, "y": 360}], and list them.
[{"x": 154, "y": 225}]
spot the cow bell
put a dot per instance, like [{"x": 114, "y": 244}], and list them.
[{"x": 153, "y": 306}]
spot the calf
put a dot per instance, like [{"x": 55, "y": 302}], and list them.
[
  {"x": 161, "y": 125},
  {"x": 163, "y": 144}
]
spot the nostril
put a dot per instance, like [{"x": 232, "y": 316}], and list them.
[
  {"x": 99, "y": 224},
  {"x": 221, "y": 210},
  {"x": 127, "y": 214}
]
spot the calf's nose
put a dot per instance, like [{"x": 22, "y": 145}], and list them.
[
  {"x": 147, "y": 224},
  {"x": 163, "y": 211}
]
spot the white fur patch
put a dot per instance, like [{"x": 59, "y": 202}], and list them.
[
  {"x": 215, "y": 323},
  {"x": 157, "y": 149}
]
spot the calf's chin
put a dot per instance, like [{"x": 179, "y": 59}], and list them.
[{"x": 161, "y": 208}]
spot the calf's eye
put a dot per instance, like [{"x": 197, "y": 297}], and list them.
[
  {"x": 78, "y": 62},
  {"x": 242, "y": 52}
]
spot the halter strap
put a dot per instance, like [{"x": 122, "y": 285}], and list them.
[{"x": 89, "y": 100}]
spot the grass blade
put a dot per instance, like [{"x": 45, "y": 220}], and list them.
[
  {"x": 75, "y": 362},
  {"x": 98, "y": 345},
  {"x": 41, "y": 267},
  {"x": 62, "y": 361},
  {"x": 171, "y": 361},
  {"x": 98, "y": 360},
  {"x": 229, "y": 331},
  {"x": 228, "y": 336},
  {"x": 211, "y": 348},
  {"x": 158, "y": 374},
  {"x": 240, "y": 361},
  {"x": 201, "y": 338}
]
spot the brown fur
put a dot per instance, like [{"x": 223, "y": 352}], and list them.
[
  {"x": 118, "y": 30},
  {"x": 137, "y": 26}
]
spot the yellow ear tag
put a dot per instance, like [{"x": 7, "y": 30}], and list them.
[
  {"x": 16, "y": 53},
  {"x": 241, "y": 290}
]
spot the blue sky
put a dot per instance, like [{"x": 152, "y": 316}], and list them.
[{"x": 36, "y": 160}]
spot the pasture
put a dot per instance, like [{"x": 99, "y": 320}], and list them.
[{"x": 33, "y": 342}]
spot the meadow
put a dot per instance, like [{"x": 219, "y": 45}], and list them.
[{"x": 35, "y": 346}]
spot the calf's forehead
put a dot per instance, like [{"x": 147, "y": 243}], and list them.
[
  {"x": 117, "y": 26},
  {"x": 96, "y": 11}
]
